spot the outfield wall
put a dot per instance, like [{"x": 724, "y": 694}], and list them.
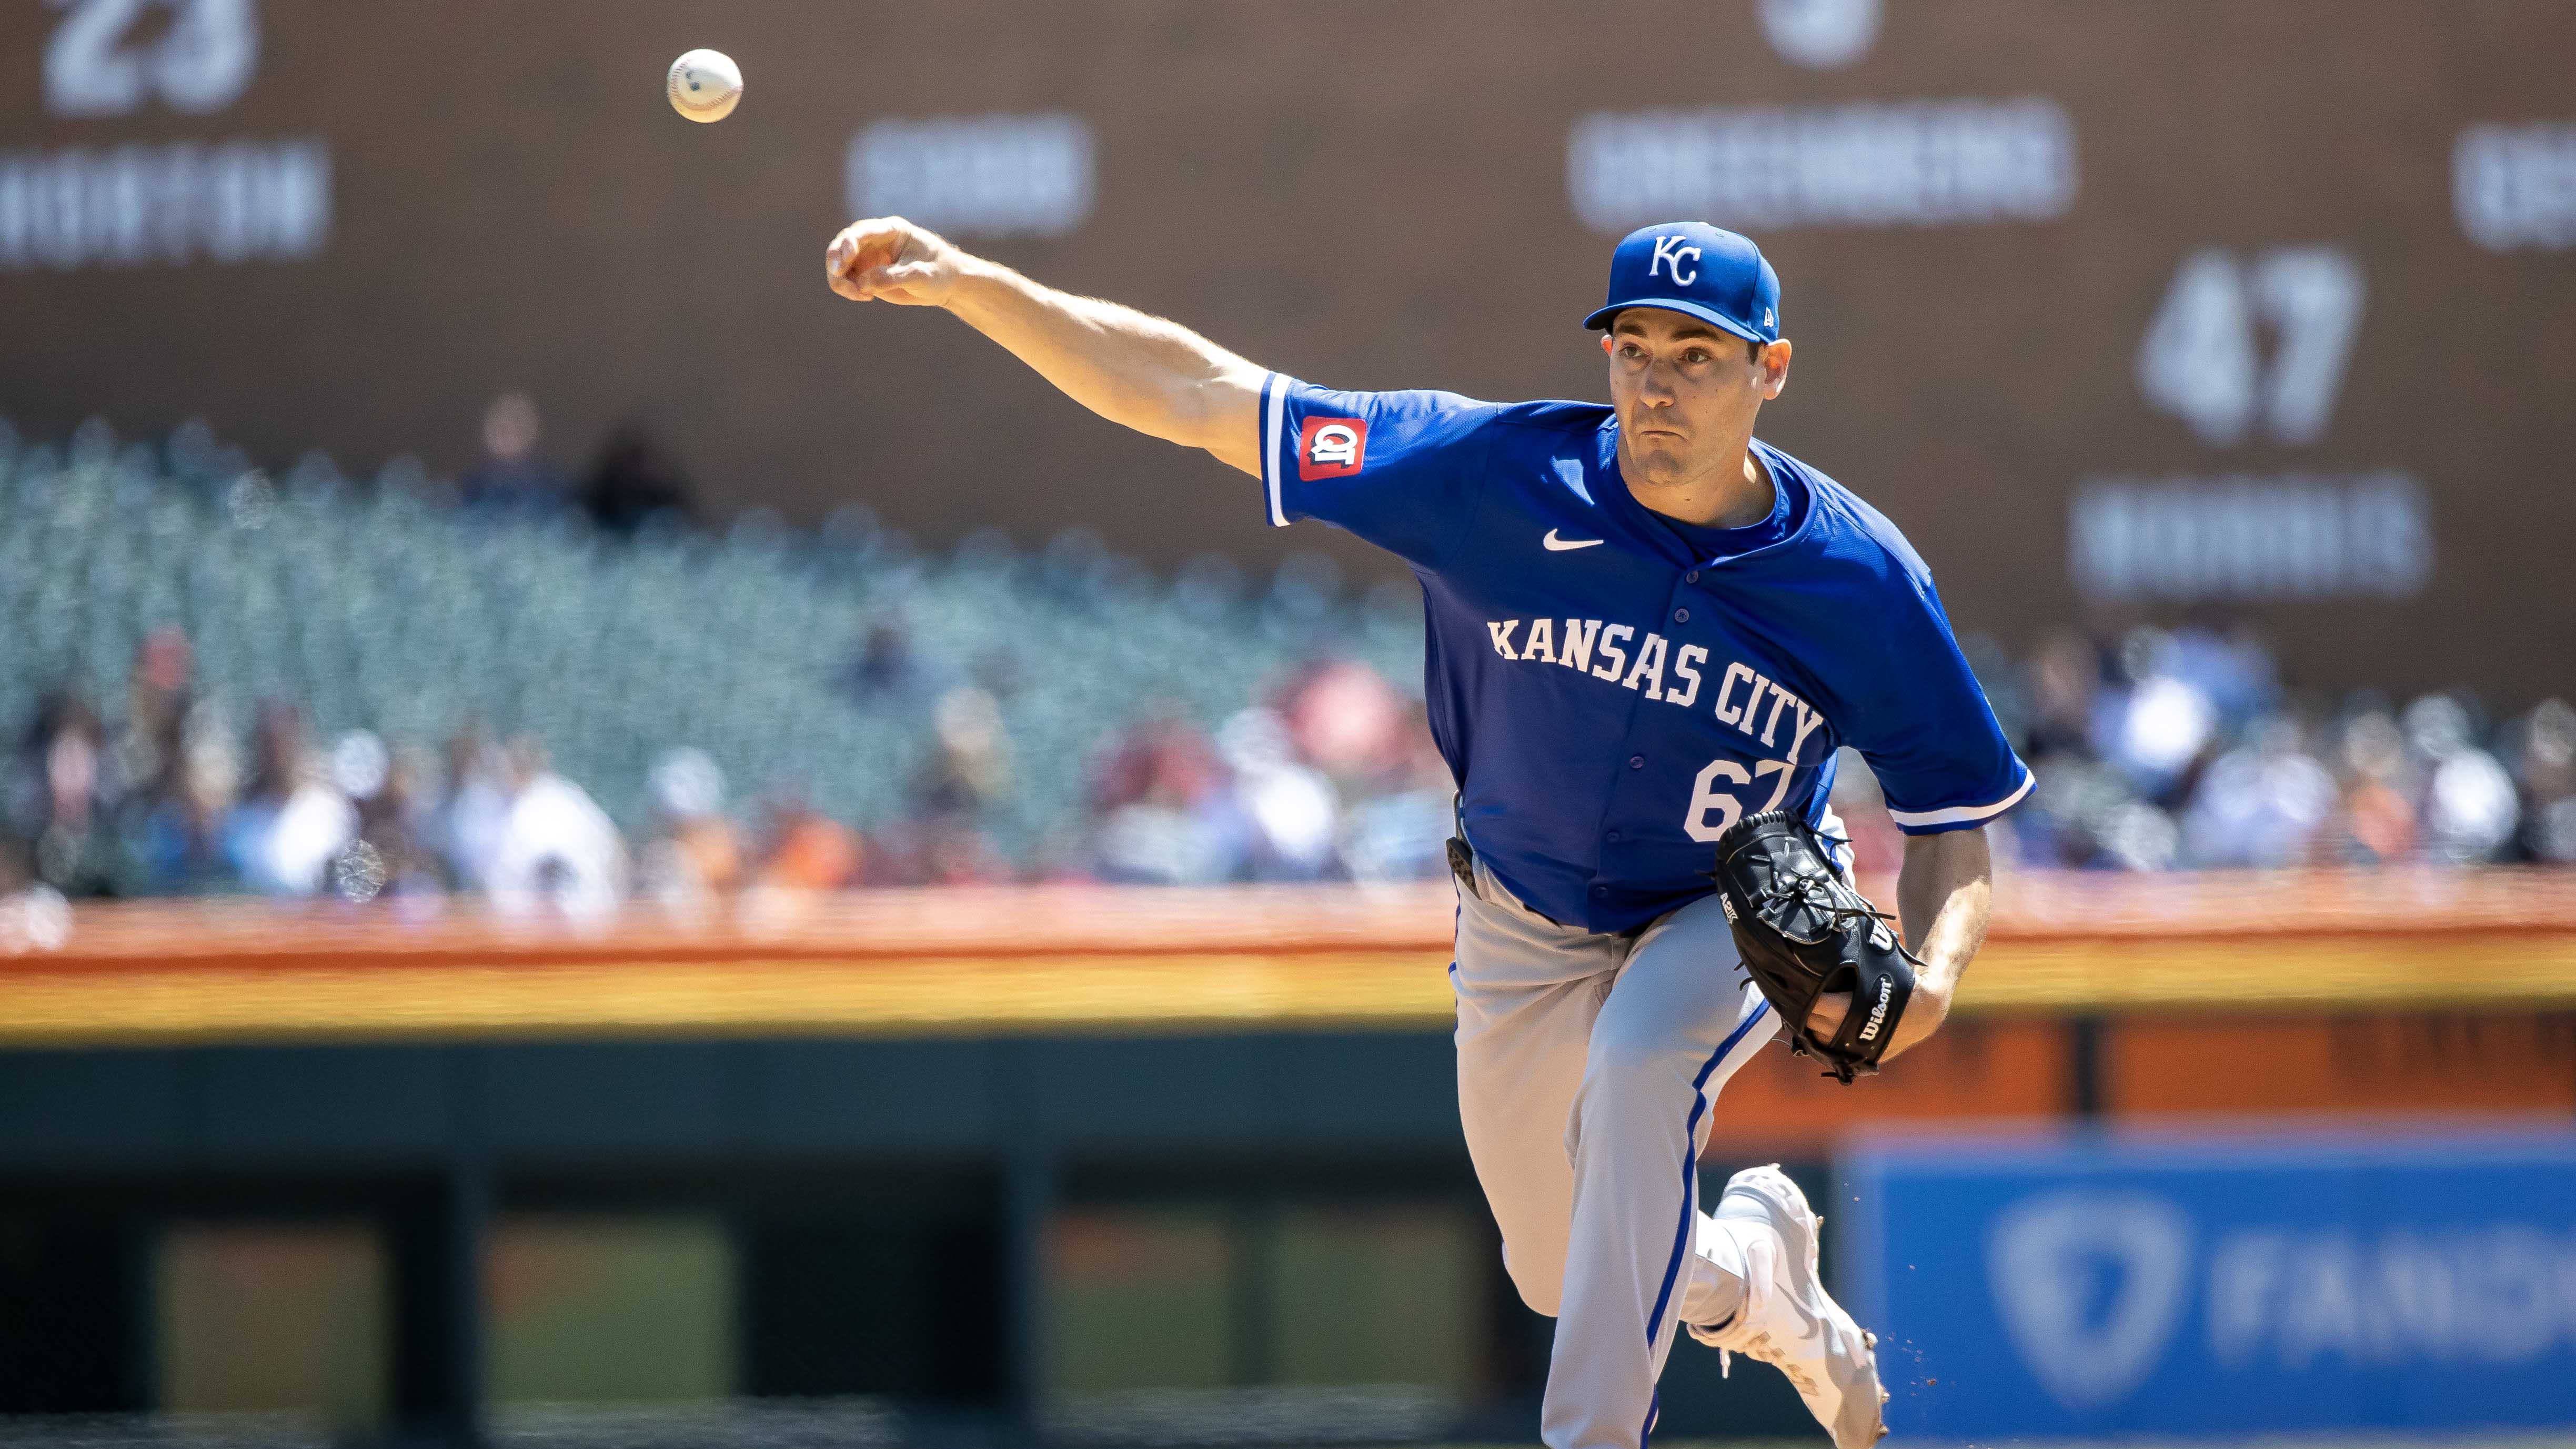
[{"x": 1019, "y": 1156}]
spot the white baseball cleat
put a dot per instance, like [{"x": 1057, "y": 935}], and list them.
[{"x": 1788, "y": 1320}]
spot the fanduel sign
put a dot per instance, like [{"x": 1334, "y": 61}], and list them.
[{"x": 2222, "y": 1286}]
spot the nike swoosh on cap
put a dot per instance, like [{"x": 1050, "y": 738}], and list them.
[{"x": 1560, "y": 545}]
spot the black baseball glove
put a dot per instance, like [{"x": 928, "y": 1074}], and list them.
[{"x": 1803, "y": 931}]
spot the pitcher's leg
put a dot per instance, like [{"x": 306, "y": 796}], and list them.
[
  {"x": 1527, "y": 995},
  {"x": 1713, "y": 1279},
  {"x": 1678, "y": 1022}
]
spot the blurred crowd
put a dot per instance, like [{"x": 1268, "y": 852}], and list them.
[
  {"x": 1330, "y": 776},
  {"x": 2153, "y": 749},
  {"x": 2181, "y": 749},
  {"x": 165, "y": 796}
]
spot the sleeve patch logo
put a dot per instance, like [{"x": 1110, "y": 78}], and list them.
[{"x": 1331, "y": 448}]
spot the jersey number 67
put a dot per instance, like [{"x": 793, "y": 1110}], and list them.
[{"x": 1713, "y": 811}]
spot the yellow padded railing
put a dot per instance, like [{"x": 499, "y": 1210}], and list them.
[{"x": 1084, "y": 959}]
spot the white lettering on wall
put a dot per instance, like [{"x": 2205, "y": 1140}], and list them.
[
  {"x": 978, "y": 175},
  {"x": 1921, "y": 163},
  {"x": 2501, "y": 1294},
  {"x": 2515, "y": 186},
  {"x": 2201, "y": 357},
  {"x": 240, "y": 201},
  {"x": 198, "y": 62},
  {"x": 2250, "y": 538}
]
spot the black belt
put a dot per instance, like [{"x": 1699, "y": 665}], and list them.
[{"x": 1462, "y": 856}]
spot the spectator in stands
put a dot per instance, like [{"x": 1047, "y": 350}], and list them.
[
  {"x": 475, "y": 813},
  {"x": 1163, "y": 814},
  {"x": 556, "y": 847},
  {"x": 146, "y": 748},
  {"x": 808, "y": 850},
  {"x": 2136, "y": 835},
  {"x": 2264, "y": 803},
  {"x": 58, "y": 798},
  {"x": 2377, "y": 820},
  {"x": 2068, "y": 691},
  {"x": 2232, "y": 670},
  {"x": 634, "y": 480},
  {"x": 953, "y": 851},
  {"x": 2468, "y": 804},
  {"x": 293, "y": 822},
  {"x": 697, "y": 855},
  {"x": 2545, "y": 766},
  {"x": 1344, "y": 719},
  {"x": 33, "y": 915},
  {"x": 970, "y": 761},
  {"x": 175, "y": 826},
  {"x": 391, "y": 854},
  {"x": 1400, "y": 828},
  {"x": 888, "y": 668},
  {"x": 1291, "y": 814},
  {"x": 2066, "y": 681},
  {"x": 2074, "y": 806},
  {"x": 2162, "y": 721},
  {"x": 941, "y": 838},
  {"x": 513, "y": 478}
]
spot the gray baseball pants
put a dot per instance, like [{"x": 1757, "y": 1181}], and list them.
[{"x": 1586, "y": 1067}]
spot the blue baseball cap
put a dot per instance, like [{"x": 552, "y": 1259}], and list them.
[{"x": 1700, "y": 271}]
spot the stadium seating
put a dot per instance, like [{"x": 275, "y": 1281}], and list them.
[{"x": 378, "y": 606}]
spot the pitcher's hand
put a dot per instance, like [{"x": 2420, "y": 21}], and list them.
[
  {"x": 888, "y": 259},
  {"x": 1924, "y": 1014}
]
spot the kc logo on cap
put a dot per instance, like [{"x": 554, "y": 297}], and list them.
[
  {"x": 1699, "y": 270},
  {"x": 1670, "y": 249}
]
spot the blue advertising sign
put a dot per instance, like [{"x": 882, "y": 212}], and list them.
[{"x": 2403, "y": 1279}]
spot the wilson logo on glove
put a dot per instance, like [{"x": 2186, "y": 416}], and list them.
[{"x": 1878, "y": 1013}]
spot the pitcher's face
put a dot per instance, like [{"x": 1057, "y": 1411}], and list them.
[{"x": 1685, "y": 392}]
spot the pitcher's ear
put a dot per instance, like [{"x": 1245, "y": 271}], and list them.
[{"x": 1605, "y": 341}]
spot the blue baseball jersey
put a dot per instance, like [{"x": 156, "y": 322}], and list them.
[{"x": 1613, "y": 689}]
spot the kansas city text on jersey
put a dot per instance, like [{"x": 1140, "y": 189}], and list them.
[{"x": 1744, "y": 696}]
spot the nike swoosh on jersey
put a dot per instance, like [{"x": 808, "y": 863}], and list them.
[{"x": 1560, "y": 545}]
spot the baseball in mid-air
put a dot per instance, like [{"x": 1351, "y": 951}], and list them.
[{"x": 705, "y": 85}]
